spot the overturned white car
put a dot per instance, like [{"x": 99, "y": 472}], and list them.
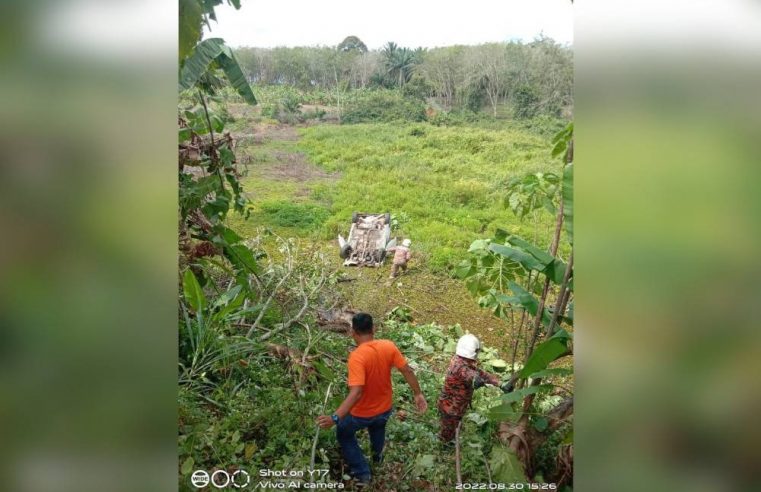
[{"x": 369, "y": 239}]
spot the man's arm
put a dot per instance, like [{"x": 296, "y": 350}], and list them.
[
  {"x": 409, "y": 376},
  {"x": 355, "y": 393},
  {"x": 488, "y": 378}
]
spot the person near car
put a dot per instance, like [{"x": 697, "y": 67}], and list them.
[
  {"x": 462, "y": 377},
  {"x": 369, "y": 402},
  {"x": 402, "y": 255}
]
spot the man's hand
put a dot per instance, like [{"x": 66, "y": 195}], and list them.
[
  {"x": 325, "y": 422},
  {"x": 420, "y": 403}
]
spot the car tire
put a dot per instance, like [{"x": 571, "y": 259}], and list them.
[{"x": 345, "y": 251}]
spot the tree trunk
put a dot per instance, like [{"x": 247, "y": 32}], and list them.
[
  {"x": 545, "y": 291},
  {"x": 523, "y": 439},
  {"x": 559, "y": 303}
]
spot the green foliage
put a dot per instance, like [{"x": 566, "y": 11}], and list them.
[
  {"x": 518, "y": 80},
  {"x": 408, "y": 168},
  {"x": 545, "y": 353},
  {"x": 417, "y": 87},
  {"x": 191, "y": 18},
  {"x": 210, "y": 51},
  {"x": 297, "y": 215},
  {"x": 506, "y": 467},
  {"x": 531, "y": 192},
  {"x": 475, "y": 98},
  {"x": 525, "y": 100},
  {"x": 381, "y": 106},
  {"x": 455, "y": 118},
  {"x": 399, "y": 314},
  {"x": 568, "y": 199},
  {"x": 236, "y": 415},
  {"x": 194, "y": 296},
  {"x": 352, "y": 43},
  {"x": 561, "y": 140},
  {"x": 497, "y": 265},
  {"x": 314, "y": 114}
]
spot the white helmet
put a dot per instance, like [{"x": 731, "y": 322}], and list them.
[
  {"x": 406, "y": 243},
  {"x": 468, "y": 346}
]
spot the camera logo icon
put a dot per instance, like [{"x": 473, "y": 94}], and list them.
[{"x": 199, "y": 479}]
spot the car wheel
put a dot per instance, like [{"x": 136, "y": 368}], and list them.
[{"x": 345, "y": 251}]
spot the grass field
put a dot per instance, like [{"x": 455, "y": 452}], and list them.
[{"x": 443, "y": 185}]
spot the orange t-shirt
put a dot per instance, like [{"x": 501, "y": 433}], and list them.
[{"x": 370, "y": 366}]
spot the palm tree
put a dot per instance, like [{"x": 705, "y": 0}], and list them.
[{"x": 400, "y": 61}]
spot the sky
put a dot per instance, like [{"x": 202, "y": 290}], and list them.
[{"x": 410, "y": 23}]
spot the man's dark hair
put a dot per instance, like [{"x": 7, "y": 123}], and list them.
[{"x": 362, "y": 323}]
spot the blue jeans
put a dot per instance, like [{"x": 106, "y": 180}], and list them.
[{"x": 346, "y": 431}]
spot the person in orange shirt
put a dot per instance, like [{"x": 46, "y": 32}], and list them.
[{"x": 368, "y": 404}]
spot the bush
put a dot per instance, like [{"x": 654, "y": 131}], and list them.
[
  {"x": 291, "y": 102},
  {"x": 382, "y": 106},
  {"x": 525, "y": 102},
  {"x": 315, "y": 114},
  {"x": 270, "y": 110},
  {"x": 455, "y": 118},
  {"x": 288, "y": 214}
]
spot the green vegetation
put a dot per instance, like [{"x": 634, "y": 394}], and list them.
[
  {"x": 296, "y": 215},
  {"x": 382, "y": 106},
  {"x": 475, "y": 190},
  {"x": 246, "y": 425},
  {"x": 528, "y": 79},
  {"x": 449, "y": 182}
]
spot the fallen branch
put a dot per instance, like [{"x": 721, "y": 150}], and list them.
[
  {"x": 336, "y": 320},
  {"x": 486, "y": 463},
  {"x": 457, "y": 452},
  {"x": 317, "y": 431},
  {"x": 267, "y": 304},
  {"x": 301, "y": 312}
]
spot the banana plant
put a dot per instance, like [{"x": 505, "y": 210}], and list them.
[
  {"x": 206, "y": 196},
  {"x": 211, "y": 53}
]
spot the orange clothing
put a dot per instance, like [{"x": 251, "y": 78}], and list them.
[{"x": 370, "y": 366}]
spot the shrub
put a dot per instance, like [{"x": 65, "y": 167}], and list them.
[
  {"x": 314, "y": 114},
  {"x": 525, "y": 102},
  {"x": 300, "y": 215},
  {"x": 458, "y": 118},
  {"x": 291, "y": 102},
  {"x": 270, "y": 110},
  {"x": 383, "y": 106}
]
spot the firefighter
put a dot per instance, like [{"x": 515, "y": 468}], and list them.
[
  {"x": 401, "y": 256},
  {"x": 463, "y": 376}
]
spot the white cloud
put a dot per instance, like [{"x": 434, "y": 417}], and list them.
[{"x": 406, "y": 22}]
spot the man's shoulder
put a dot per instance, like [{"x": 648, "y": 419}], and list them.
[{"x": 386, "y": 344}]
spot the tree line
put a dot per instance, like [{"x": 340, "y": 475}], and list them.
[{"x": 532, "y": 78}]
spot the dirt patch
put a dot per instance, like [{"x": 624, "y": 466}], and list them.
[
  {"x": 285, "y": 164},
  {"x": 293, "y": 166},
  {"x": 284, "y": 133}
]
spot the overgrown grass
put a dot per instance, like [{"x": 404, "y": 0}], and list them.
[
  {"x": 300, "y": 215},
  {"x": 449, "y": 181},
  {"x": 445, "y": 185}
]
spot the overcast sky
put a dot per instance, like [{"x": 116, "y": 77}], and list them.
[{"x": 410, "y": 23}]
